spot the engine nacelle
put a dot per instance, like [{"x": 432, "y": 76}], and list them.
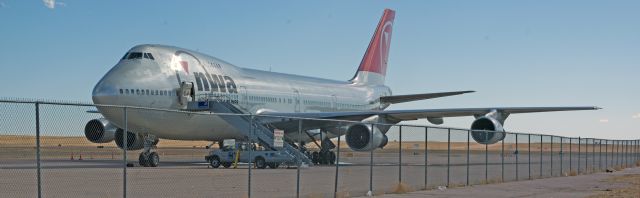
[
  {"x": 99, "y": 131},
  {"x": 135, "y": 141},
  {"x": 486, "y": 125},
  {"x": 362, "y": 137}
]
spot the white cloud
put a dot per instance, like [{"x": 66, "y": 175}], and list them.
[
  {"x": 51, "y": 4},
  {"x": 636, "y": 116},
  {"x": 604, "y": 120}
]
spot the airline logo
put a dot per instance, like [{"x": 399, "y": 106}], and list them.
[{"x": 185, "y": 66}]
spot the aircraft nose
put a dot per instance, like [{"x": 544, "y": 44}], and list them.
[{"x": 106, "y": 90}]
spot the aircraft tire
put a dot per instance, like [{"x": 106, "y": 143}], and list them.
[
  {"x": 315, "y": 157},
  {"x": 332, "y": 157},
  {"x": 154, "y": 159},
  {"x": 142, "y": 160}
]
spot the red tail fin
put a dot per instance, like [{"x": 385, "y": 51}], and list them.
[{"x": 377, "y": 54}]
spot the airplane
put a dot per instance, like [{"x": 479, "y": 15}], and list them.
[{"x": 173, "y": 78}]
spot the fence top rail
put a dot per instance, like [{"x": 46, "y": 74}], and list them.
[{"x": 86, "y": 104}]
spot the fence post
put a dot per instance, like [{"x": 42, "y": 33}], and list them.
[
  {"x": 250, "y": 155},
  {"x": 502, "y": 158},
  {"x": 561, "y": 154},
  {"x": 517, "y": 154},
  {"x": 570, "y": 154},
  {"x": 426, "y": 157},
  {"x": 617, "y": 152},
  {"x": 600, "y": 154},
  {"x": 579, "y": 143},
  {"x": 551, "y": 152},
  {"x": 468, "y": 149},
  {"x": 448, "y": 155},
  {"x": 299, "y": 158},
  {"x": 541, "y": 145},
  {"x": 593, "y": 155},
  {"x": 529, "y": 152},
  {"x": 400, "y": 155},
  {"x": 586, "y": 155},
  {"x": 38, "y": 150},
  {"x": 486, "y": 158},
  {"x": 606, "y": 154},
  {"x": 370, "y": 193},
  {"x": 335, "y": 182},
  {"x": 125, "y": 144}
]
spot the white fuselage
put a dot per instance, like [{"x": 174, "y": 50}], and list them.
[{"x": 153, "y": 80}]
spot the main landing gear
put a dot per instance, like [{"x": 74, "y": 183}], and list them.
[
  {"x": 326, "y": 156},
  {"x": 149, "y": 158}
]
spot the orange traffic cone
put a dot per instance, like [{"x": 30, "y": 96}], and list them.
[
  {"x": 80, "y": 157},
  {"x": 71, "y": 155}
]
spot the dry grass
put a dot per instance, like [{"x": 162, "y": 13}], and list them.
[
  {"x": 401, "y": 188},
  {"x": 490, "y": 181},
  {"x": 618, "y": 168},
  {"x": 632, "y": 190},
  {"x": 315, "y": 195},
  {"x": 573, "y": 173},
  {"x": 343, "y": 194},
  {"x": 457, "y": 185}
]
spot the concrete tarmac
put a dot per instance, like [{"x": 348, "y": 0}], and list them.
[{"x": 178, "y": 177}]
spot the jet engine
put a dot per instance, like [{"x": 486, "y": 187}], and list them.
[
  {"x": 135, "y": 141},
  {"x": 490, "y": 130},
  {"x": 100, "y": 131},
  {"x": 362, "y": 137}
]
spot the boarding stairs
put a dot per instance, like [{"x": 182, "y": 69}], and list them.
[{"x": 263, "y": 133}]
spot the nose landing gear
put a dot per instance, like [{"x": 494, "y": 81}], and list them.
[{"x": 149, "y": 158}]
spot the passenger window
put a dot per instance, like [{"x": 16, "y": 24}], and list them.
[
  {"x": 121, "y": 91},
  {"x": 127, "y": 91},
  {"x": 135, "y": 55}
]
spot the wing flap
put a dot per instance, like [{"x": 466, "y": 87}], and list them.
[{"x": 413, "y": 97}]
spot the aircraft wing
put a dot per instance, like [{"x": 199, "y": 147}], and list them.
[{"x": 403, "y": 115}]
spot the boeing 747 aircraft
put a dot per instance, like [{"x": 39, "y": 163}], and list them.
[{"x": 167, "y": 77}]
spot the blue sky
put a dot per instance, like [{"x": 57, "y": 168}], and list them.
[{"x": 513, "y": 53}]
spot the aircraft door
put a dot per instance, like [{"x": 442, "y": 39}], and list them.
[
  {"x": 186, "y": 93},
  {"x": 242, "y": 97},
  {"x": 296, "y": 100},
  {"x": 334, "y": 102}
]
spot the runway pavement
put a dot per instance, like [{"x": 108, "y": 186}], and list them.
[{"x": 178, "y": 177}]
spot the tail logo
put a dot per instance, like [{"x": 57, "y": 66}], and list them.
[{"x": 385, "y": 42}]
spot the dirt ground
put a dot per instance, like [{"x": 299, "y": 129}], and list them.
[
  {"x": 624, "y": 183},
  {"x": 631, "y": 188}
]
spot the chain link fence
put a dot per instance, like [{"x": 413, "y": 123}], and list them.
[{"x": 44, "y": 153}]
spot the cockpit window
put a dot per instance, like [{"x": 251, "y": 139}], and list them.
[{"x": 135, "y": 55}]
